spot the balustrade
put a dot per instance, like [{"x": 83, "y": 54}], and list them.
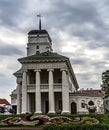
[{"x": 45, "y": 86}]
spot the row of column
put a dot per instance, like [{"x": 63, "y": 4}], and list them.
[{"x": 65, "y": 93}]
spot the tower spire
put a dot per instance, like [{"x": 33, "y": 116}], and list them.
[{"x": 39, "y": 16}]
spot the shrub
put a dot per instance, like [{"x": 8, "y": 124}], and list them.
[{"x": 75, "y": 127}]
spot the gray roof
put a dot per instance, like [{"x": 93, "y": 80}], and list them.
[
  {"x": 33, "y": 32},
  {"x": 18, "y": 73},
  {"x": 45, "y": 56},
  {"x": 39, "y": 32}
]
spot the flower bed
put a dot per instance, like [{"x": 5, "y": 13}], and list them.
[{"x": 34, "y": 120}]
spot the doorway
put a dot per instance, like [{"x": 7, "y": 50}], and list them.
[
  {"x": 14, "y": 108},
  {"x": 73, "y": 108},
  {"x": 46, "y": 106},
  {"x": 32, "y": 102}
]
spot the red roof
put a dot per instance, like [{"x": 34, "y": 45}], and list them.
[
  {"x": 4, "y": 101},
  {"x": 90, "y": 91}
]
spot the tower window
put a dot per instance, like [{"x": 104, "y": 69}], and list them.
[
  {"x": 37, "y": 47},
  {"x": 47, "y": 48},
  {"x": 37, "y": 52}
]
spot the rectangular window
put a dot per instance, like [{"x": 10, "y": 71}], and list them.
[
  {"x": 59, "y": 80},
  {"x": 47, "y": 48},
  {"x": 37, "y": 47},
  {"x": 82, "y": 105}
]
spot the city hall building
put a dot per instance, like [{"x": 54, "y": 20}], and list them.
[{"x": 46, "y": 81}]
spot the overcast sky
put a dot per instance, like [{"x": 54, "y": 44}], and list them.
[{"x": 79, "y": 29}]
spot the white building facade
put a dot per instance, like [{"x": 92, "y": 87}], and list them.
[
  {"x": 46, "y": 82},
  {"x": 45, "y": 78},
  {"x": 84, "y": 99}
]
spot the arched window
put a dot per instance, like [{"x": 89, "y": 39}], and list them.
[
  {"x": 37, "y": 47},
  {"x": 73, "y": 108},
  {"x": 98, "y": 103},
  {"x": 90, "y": 103},
  {"x": 82, "y": 104},
  {"x": 37, "y": 52}
]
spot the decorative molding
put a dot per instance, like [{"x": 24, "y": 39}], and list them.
[
  {"x": 50, "y": 69},
  {"x": 64, "y": 70},
  {"x": 37, "y": 70},
  {"x": 25, "y": 70},
  {"x": 53, "y": 65}
]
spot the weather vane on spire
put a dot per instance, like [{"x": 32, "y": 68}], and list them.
[{"x": 39, "y": 16}]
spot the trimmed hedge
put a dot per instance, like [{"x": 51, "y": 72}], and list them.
[{"x": 75, "y": 127}]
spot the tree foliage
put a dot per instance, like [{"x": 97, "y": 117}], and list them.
[{"x": 105, "y": 82}]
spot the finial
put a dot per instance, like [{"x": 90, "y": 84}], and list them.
[{"x": 39, "y": 16}]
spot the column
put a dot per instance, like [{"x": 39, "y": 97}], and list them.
[
  {"x": 51, "y": 92},
  {"x": 24, "y": 92},
  {"x": 65, "y": 92},
  {"x": 28, "y": 82},
  {"x": 28, "y": 107},
  {"x": 38, "y": 93},
  {"x": 18, "y": 98}
]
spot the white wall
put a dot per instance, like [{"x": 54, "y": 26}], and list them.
[{"x": 98, "y": 101}]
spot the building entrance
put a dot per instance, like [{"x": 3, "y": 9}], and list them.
[
  {"x": 73, "y": 108},
  {"x": 46, "y": 106}
]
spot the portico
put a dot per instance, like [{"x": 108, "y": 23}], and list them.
[{"x": 55, "y": 84}]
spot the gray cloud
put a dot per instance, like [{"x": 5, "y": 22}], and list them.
[
  {"x": 6, "y": 81},
  {"x": 10, "y": 12},
  {"x": 79, "y": 61},
  {"x": 10, "y": 50},
  {"x": 79, "y": 15},
  {"x": 82, "y": 19},
  {"x": 94, "y": 45},
  {"x": 2, "y": 75}
]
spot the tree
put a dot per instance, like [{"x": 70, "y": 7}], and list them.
[{"x": 105, "y": 82}]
